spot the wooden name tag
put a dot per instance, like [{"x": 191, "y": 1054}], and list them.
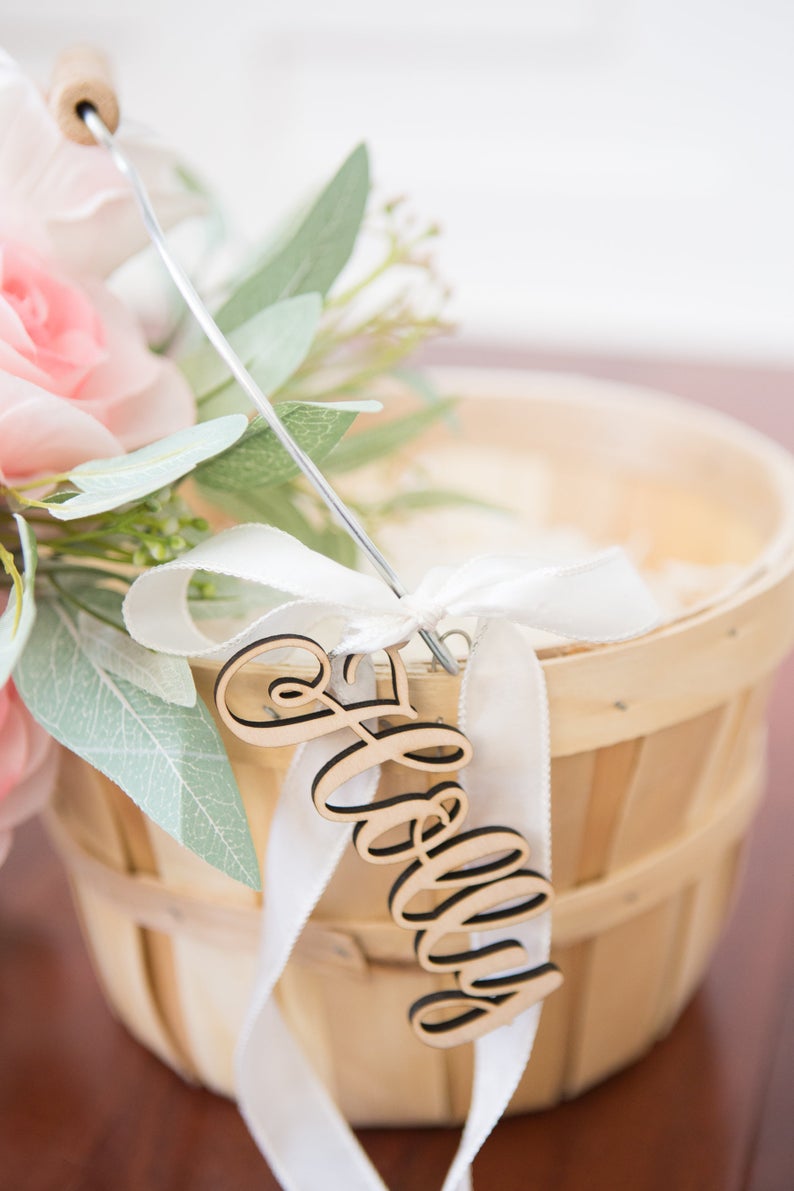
[{"x": 477, "y": 878}]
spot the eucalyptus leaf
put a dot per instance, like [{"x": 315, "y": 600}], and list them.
[
  {"x": 334, "y": 542},
  {"x": 279, "y": 507},
  {"x": 230, "y": 399},
  {"x": 274, "y": 506},
  {"x": 424, "y": 386},
  {"x": 19, "y": 615},
  {"x": 87, "y": 588},
  {"x": 272, "y": 345},
  {"x": 259, "y": 460},
  {"x": 432, "y": 498},
  {"x": 107, "y": 483},
  {"x": 420, "y": 381},
  {"x": 169, "y": 678},
  {"x": 385, "y": 438},
  {"x": 314, "y": 256},
  {"x": 168, "y": 759}
]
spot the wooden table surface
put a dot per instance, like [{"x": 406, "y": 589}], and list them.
[{"x": 711, "y": 1108}]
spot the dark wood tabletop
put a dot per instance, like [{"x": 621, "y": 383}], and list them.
[{"x": 85, "y": 1108}]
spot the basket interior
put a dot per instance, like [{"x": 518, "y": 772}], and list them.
[{"x": 672, "y": 482}]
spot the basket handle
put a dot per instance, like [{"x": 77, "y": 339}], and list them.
[{"x": 82, "y": 75}]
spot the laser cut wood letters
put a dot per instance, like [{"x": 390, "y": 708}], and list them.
[{"x": 479, "y": 875}]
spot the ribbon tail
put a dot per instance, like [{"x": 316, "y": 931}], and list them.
[
  {"x": 466, "y": 1183},
  {"x": 504, "y": 713},
  {"x": 293, "y": 1119},
  {"x": 287, "y": 1108}
]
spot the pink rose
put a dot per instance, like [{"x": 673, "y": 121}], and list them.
[
  {"x": 69, "y": 201},
  {"x": 28, "y": 761},
  {"x": 77, "y": 380}
]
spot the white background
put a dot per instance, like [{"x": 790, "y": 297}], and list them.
[{"x": 610, "y": 174}]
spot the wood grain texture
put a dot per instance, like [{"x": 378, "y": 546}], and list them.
[
  {"x": 82, "y": 75},
  {"x": 84, "y": 1108}
]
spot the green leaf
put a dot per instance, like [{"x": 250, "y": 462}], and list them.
[
  {"x": 311, "y": 260},
  {"x": 279, "y": 507},
  {"x": 107, "y": 483},
  {"x": 431, "y": 498},
  {"x": 169, "y": 678},
  {"x": 272, "y": 345},
  {"x": 168, "y": 759},
  {"x": 87, "y": 588},
  {"x": 385, "y": 438},
  {"x": 424, "y": 386},
  {"x": 17, "y": 620},
  {"x": 334, "y": 542},
  {"x": 258, "y": 460},
  {"x": 421, "y": 383},
  {"x": 274, "y": 506}
]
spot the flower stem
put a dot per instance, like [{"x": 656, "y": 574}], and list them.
[{"x": 10, "y": 568}]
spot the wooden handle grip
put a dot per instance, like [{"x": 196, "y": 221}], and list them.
[{"x": 82, "y": 75}]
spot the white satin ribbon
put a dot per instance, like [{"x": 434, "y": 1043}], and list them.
[{"x": 503, "y": 711}]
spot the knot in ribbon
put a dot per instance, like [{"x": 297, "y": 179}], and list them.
[
  {"x": 422, "y": 614},
  {"x": 504, "y": 712},
  {"x": 601, "y": 599}
]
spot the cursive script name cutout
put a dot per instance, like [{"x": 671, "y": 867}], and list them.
[{"x": 477, "y": 879}]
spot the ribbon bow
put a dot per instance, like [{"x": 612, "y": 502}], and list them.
[{"x": 503, "y": 711}]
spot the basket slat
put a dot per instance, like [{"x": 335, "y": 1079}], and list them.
[
  {"x": 118, "y": 946},
  {"x": 572, "y": 779},
  {"x": 706, "y": 906},
  {"x": 655, "y": 805},
  {"x": 613, "y": 775},
  {"x": 617, "y": 1010}
]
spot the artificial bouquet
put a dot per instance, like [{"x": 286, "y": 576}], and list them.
[{"x": 118, "y": 453}]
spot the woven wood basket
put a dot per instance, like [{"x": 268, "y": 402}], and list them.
[{"x": 658, "y": 763}]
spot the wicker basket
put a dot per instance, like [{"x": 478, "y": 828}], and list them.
[{"x": 658, "y": 761}]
